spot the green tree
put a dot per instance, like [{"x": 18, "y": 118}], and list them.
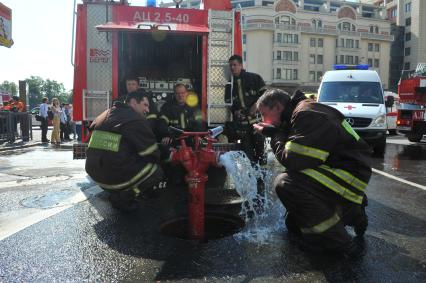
[
  {"x": 9, "y": 87},
  {"x": 35, "y": 93},
  {"x": 39, "y": 88}
]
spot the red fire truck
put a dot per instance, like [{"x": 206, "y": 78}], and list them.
[
  {"x": 412, "y": 96},
  {"x": 161, "y": 46}
]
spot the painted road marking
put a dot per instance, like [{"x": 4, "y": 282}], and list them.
[
  {"x": 15, "y": 221},
  {"x": 39, "y": 181},
  {"x": 399, "y": 179}
]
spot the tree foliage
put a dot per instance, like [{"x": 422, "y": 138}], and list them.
[
  {"x": 39, "y": 88},
  {"x": 9, "y": 87}
]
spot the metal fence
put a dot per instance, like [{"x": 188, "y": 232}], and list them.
[{"x": 15, "y": 126}]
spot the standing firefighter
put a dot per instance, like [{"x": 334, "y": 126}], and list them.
[
  {"x": 123, "y": 156},
  {"x": 327, "y": 173},
  {"x": 246, "y": 90}
]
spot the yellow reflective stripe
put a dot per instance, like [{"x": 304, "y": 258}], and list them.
[
  {"x": 136, "y": 191},
  {"x": 198, "y": 117},
  {"x": 149, "y": 150},
  {"x": 165, "y": 118},
  {"x": 307, "y": 150},
  {"x": 323, "y": 226},
  {"x": 240, "y": 93},
  {"x": 182, "y": 121},
  {"x": 347, "y": 177},
  {"x": 349, "y": 129},
  {"x": 151, "y": 116},
  {"x": 336, "y": 187},
  {"x": 146, "y": 170}
]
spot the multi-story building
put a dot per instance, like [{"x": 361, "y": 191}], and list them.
[
  {"x": 409, "y": 29},
  {"x": 292, "y": 43}
]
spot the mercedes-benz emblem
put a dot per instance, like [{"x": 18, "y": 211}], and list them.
[{"x": 351, "y": 121}]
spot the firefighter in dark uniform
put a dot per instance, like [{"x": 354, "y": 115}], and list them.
[
  {"x": 327, "y": 170},
  {"x": 181, "y": 112},
  {"x": 246, "y": 89},
  {"x": 123, "y": 156}
]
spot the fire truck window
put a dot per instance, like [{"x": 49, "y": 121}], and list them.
[{"x": 160, "y": 62}]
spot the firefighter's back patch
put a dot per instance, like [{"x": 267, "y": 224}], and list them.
[{"x": 105, "y": 141}]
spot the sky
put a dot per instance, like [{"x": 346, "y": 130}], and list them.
[{"x": 41, "y": 31}]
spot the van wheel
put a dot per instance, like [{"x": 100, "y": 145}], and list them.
[
  {"x": 415, "y": 137},
  {"x": 380, "y": 148}
]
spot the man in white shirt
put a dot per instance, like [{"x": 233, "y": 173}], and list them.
[{"x": 44, "y": 119}]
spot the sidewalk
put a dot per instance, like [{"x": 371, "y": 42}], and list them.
[{"x": 35, "y": 141}]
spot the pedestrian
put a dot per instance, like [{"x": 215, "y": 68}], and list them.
[
  {"x": 327, "y": 170},
  {"x": 44, "y": 108},
  {"x": 244, "y": 92},
  {"x": 64, "y": 125},
  {"x": 56, "y": 110},
  {"x": 123, "y": 156}
]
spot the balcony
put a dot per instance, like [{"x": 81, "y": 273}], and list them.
[
  {"x": 286, "y": 62},
  {"x": 315, "y": 30},
  {"x": 376, "y": 36},
  {"x": 286, "y": 44},
  {"x": 259, "y": 26},
  {"x": 348, "y": 49}
]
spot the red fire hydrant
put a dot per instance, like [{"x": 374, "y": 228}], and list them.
[{"x": 196, "y": 163}]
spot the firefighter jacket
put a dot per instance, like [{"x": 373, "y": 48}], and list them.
[
  {"x": 245, "y": 91},
  {"x": 122, "y": 151},
  {"x": 316, "y": 143},
  {"x": 180, "y": 116}
]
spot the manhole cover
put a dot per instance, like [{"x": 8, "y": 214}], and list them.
[
  {"x": 223, "y": 197},
  {"x": 217, "y": 226}
]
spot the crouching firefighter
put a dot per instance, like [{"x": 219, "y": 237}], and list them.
[
  {"x": 327, "y": 171},
  {"x": 123, "y": 156}
]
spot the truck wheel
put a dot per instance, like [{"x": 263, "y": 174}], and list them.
[
  {"x": 380, "y": 148},
  {"x": 415, "y": 137}
]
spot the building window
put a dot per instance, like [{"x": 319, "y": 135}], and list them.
[
  {"x": 290, "y": 38},
  {"x": 345, "y": 26},
  {"x": 407, "y": 51},
  {"x": 279, "y": 37},
  {"x": 408, "y": 7},
  {"x": 356, "y": 60},
  {"x": 342, "y": 42},
  {"x": 337, "y": 42},
  {"x": 319, "y": 76},
  {"x": 408, "y": 22},
  {"x": 312, "y": 42},
  {"x": 319, "y": 59},
  {"x": 278, "y": 55},
  {"x": 288, "y": 74},
  {"x": 356, "y": 43},
  {"x": 376, "y": 63},
  {"x": 370, "y": 62},
  {"x": 287, "y": 20},
  {"x": 342, "y": 59},
  {"x": 377, "y": 47},
  {"x": 296, "y": 38},
  {"x": 320, "y": 42},
  {"x": 295, "y": 75},
  {"x": 316, "y": 23},
  {"x": 371, "y": 29},
  {"x": 312, "y": 59},
  {"x": 244, "y": 38},
  {"x": 278, "y": 75},
  {"x": 287, "y": 55},
  {"x": 296, "y": 56},
  {"x": 408, "y": 36},
  {"x": 376, "y": 29},
  {"x": 349, "y": 43},
  {"x": 311, "y": 76},
  {"x": 407, "y": 66},
  {"x": 370, "y": 46},
  {"x": 244, "y": 56},
  {"x": 394, "y": 13},
  {"x": 349, "y": 59}
]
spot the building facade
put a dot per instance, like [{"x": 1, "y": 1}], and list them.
[
  {"x": 293, "y": 43},
  {"x": 409, "y": 30}
]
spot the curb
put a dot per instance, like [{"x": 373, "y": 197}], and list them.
[{"x": 14, "y": 147}]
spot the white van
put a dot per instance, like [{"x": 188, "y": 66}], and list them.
[{"x": 357, "y": 93}]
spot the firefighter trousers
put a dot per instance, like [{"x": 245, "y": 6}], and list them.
[{"x": 320, "y": 221}]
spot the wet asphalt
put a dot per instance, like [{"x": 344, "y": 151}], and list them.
[{"x": 84, "y": 239}]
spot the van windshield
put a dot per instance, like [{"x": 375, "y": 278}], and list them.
[{"x": 355, "y": 92}]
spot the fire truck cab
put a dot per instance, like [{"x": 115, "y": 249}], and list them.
[
  {"x": 161, "y": 46},
  {"x": 412, "y": 96}
]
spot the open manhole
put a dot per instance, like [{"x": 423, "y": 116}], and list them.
[
  {"x": 223, "y": 197},
  {"x": 217, "y": 225}
]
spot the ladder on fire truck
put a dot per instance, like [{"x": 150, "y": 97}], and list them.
[{"x": 220, "y": 48}]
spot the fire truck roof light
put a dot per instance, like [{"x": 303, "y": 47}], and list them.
[{"x": 350, "y": 67}]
